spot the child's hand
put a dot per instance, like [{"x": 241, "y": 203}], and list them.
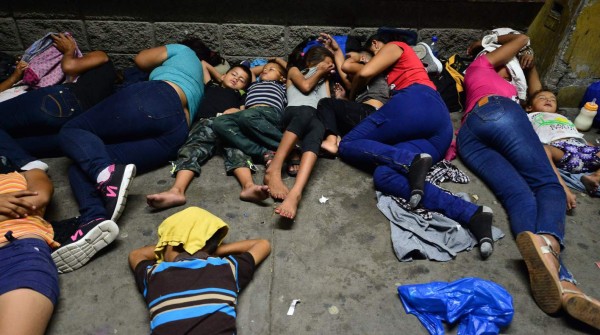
[
  {"x": 326, "y": 67},
  {"x": 13, "y": 206},
  {"x": 19, "y": 69},
  {"x": 64, "y": 43},
  {"x": 328, "y": 41},
  {"x": 231, "y": 110}
]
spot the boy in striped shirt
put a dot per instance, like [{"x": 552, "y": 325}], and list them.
[{"x": 189, "y": 282}]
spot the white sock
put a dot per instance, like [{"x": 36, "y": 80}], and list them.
[
  {"x": 103, "y": 175},
  {"x": 37, "y": 164}
]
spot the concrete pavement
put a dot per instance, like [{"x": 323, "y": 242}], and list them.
[{"x": 336, "y": 258}]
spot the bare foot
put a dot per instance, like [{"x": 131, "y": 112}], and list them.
[
  {"x": 289, "y": 206},
  {"x": 254, "y": 193},
  {"x": 330, "y": 145},
  {"x": 277, "y": 188},
  {"x": 591, "y": 183},
  {"x": 571, "y": 199},
  {"x": 167, "y": 199}
]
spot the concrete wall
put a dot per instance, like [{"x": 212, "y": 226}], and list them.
[
  {"x": 566, "y": 42},
  {"x": 566, "y": 38},
  {"x": 252, "y": 28}
]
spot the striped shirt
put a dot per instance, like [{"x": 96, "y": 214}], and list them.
[
  {"x": 30, "y": 225},
  {"x": 194, "y": 296},
  {"x": 268, "y": 92}
]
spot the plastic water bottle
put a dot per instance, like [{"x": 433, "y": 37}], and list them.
[
  {"x": 434, "y": 45},
  {"x": 583, "y": 121}
]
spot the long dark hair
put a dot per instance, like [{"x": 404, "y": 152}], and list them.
[
  {"x": 385, "y": 37},
  {"x": 317, "y": 54},
  {"x": 202, "y": 51}
]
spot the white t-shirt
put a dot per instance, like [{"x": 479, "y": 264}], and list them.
[{"x": 552, "y": 126}]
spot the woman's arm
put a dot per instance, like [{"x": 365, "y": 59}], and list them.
[
  {"x": 306, "y": 85},
  {"x": 14, "y": 77},
  {"x": 534, "y": 84},
  {"x": 148, "y": 59},
  {"x": 386, "y": 57},
  {"x": 74, "y": 66},
  {"x": 510, "y": 46}
]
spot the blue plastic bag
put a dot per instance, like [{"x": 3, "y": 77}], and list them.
[{"x": 480, "y": 306}]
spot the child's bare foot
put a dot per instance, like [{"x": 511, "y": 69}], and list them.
[
  {"x": 277, "y": 188},
  {"x": 591, "y": 183},
  {"x": 167, "y": 199},
  {"x": 289, "y": 206},
  {"x": 330, "y": 144},
  {"x": 254, "y": 193},
  {"x": 571, "y": 199}
]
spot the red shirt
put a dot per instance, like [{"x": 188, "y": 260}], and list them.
[{"x": 408, "y": 70}]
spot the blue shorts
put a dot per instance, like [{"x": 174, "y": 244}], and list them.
[{"x": 27, "y": 263}]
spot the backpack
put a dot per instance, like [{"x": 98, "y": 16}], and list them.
[{"x": 451, "y": 81}]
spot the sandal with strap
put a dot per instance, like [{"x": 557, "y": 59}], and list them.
[
  {"x": 543, "y": 278},
  {"x": 581, "y": 307},
  {"x": 268, "y": 158}
]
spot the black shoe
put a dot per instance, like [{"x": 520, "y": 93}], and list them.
[
  {"x": 114, "y": 190},
  {"x": 416, "y": 177},
  {"x": 64, "y": 229},
  {"x": 78, "y": 248}
]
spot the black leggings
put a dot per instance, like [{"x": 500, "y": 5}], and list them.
[
  {"x": 339, "y": 116},
  {"x": 303, "y": 121}
]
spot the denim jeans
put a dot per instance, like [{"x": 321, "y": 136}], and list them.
[
  {"x": 415, "y": 120},
  {"x": 31, "y": 121},
  {"x": 498, "y": 143},
  {"x": 142, "y": 124}
]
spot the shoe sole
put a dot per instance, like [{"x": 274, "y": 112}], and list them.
[
  {"x": 429, "y": 58},
  {"x": 75, "y": 255},
  {"x": 128, "y": 176},
  {"x": 582, "y": 309},
  {"x": 545, "y": 287}
]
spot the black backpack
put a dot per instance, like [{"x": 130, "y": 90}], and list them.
[{"x": 451, "y": 81}]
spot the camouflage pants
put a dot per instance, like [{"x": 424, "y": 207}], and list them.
[{"x": 202, "y": 143}]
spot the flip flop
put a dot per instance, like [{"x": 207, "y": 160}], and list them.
[
  {"x": 268, "y": 158},
  {"x": 581, "y": 307},
  {"x": 544, "y": 282}
]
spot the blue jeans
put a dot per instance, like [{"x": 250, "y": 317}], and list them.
[
  {"x": 415, "y": 120},
  {"x": 30, "y": 123},
  {"x": 498, "y": 143},
  {"x": 142, "y": 124}
]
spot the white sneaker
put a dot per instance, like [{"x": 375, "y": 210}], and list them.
[
  {"x": 426, "y": 56},
  {"x": 84, "y": 244}
]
